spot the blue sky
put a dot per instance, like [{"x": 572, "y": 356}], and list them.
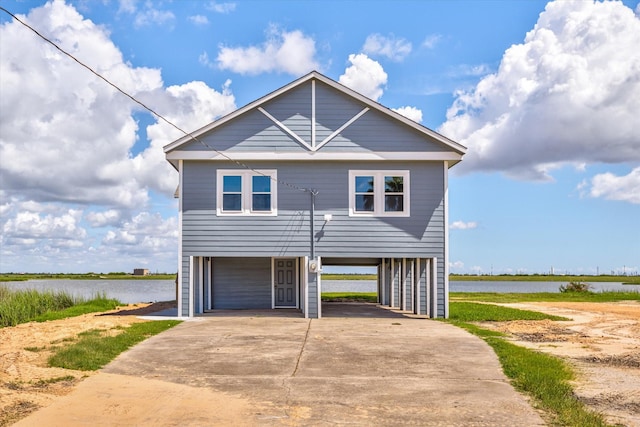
[{"x": 545, "y": 95}]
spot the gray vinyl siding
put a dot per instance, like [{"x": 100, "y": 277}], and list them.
[
  {"x": 419, "y": 236},
  {"x": 313, "y": 295},
  {"x": 424, "y": 287},
  {"x": 373, "y": 131},
  {"x": 184, "y": 287},
  {"x": 287, "y": 234},
  {"x": 241, "y": 283}
]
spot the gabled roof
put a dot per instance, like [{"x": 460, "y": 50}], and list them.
[{"x": 314, "y": 75}]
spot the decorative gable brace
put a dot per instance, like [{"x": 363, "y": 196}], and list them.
[{"x": 313, "y": 145}]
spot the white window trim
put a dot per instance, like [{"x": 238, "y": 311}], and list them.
[
  {"x": 378, "y": 186},
  {"x": 246, "y": 191}
]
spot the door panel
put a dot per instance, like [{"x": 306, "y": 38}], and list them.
[{"x": 285, "y": 283}]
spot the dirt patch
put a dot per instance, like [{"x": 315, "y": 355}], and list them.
[
  {"x": 26, "y": 382},
  {"x": 602, "y": 343}
]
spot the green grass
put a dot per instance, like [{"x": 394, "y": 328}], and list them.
[
  {"x": 93, "y": 349},
  {"x": 543, "y": 377},
  {"x": 610, "y": 296},
  {"x": 20, "y": 306},
  {"x": 477, "y": 312},
  {"x": 349, "y": 297}
]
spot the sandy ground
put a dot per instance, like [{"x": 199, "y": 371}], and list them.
[
  {"x": 26, "y": 383},
  {"x": 602, "y": 341}
]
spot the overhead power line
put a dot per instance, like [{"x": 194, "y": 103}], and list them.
[{"x": 152, "y": 111}]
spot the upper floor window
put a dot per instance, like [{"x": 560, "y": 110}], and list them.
[
  {"x": 246, "y": 192},
  {"x": 378, "y": 193}
]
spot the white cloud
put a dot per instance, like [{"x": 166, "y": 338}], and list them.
[
  {"x": 365, "y": 76},
  {"x": 289, "y": 52},
  {"x": 456, "y": 265},
  {"x": 127, "y": 6},
  {"x": 104, "y": 218},
  {"x": 412, "y": 113},
  {"x": 612, "y": 187},
  {"x": 152, "y": 16},
  {"x": 32, "y": 225},
  {"x": 66, "y": 148},
  {"x": 199, "y": 19},
  {"x": 467, "y": 70},
  {"x": 223, "y": 8},
  {"x": 143, "y": 233},
  {"x": 393, "y": 48},
  {"x": 431, "y": 41},
  {"x": 569, "y": 94},
  {"x": 204, "y": 60},
  {"x": 461, "y": 225},
  {"x": 43, "y": 158}
]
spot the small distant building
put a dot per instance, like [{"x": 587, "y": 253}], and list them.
[{"x": 140, "y": 271}]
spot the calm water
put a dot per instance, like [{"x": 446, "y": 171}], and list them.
[
  {"x": 134, "y": 291},
  {"x": 126, "y": 291},
  {"x": 455, "y": 286}
]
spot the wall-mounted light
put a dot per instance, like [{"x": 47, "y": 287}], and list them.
[{"x": 328, "y": 217}]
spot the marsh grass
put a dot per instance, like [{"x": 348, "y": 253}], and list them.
[
  {"x": 94, "y": 348},
  {"x": 543, "y": 377},
  {"x": 20, "y": 306}
]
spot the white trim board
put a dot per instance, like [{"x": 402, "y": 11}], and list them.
[{"x": 240, "y": 156}]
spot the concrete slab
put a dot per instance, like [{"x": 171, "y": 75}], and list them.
[{"x": 377, "y": 367}]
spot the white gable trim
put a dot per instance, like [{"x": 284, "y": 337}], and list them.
[{"x": 313, "y": 114}]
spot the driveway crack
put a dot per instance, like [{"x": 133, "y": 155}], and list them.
[{"x": 304, "y": 343}]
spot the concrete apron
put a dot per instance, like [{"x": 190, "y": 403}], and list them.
[{"x": 378, "y": 368}]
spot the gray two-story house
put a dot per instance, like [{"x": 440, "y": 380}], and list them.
[{"x": 310, "y": 175}]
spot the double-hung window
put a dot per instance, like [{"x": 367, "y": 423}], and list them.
[
  {"x": 378, "y": 193},
  {"x": 246, "y": 192}
]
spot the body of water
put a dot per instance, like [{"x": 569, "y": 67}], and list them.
[
  {"x": 125, "y": 291},
  {"x": 464, "y": 286},
  {"x": 135, "y": 291}
]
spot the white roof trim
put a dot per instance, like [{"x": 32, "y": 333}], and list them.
[
  {"x": 317, "y": 156},
  {"x": 317, "y": 76}
]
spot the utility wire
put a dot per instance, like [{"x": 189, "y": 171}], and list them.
[{"x": 152, "y": 111}]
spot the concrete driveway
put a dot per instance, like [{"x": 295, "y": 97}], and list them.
[{"x": 375, "y": 367}]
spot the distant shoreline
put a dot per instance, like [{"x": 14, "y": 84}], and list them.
[{"x": 20, "y": 277}]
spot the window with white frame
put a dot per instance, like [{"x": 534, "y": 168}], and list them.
[
  {"x": 246, "y": 192},
  {"x": 378, "y": 193}
]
